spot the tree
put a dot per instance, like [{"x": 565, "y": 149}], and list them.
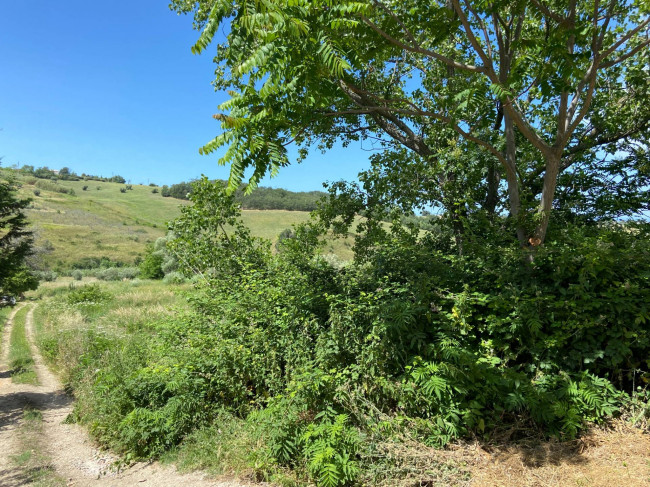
[
  {"x": 532, "y": 93},
  {"x": 15, "y": 241}
]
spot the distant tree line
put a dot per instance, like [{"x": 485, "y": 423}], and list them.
[
  {"x": 262, "y": 198},
  {"x": 66, "y": 174}
]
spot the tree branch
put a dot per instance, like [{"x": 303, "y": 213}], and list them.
[
  {"x": 625, "y": 56},
  {"x": 547, "y": 11},
  {"x": 421, "y": 50}
]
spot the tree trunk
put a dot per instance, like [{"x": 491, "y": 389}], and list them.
[
  {"x": 546, "y": 202},
  {"x": 513, "y": 181}
]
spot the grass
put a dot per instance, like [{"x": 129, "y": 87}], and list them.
[
  {"x": 4, "y": 314},
  {"x": 36, "y": 468},
  {"x": 103, "y": 222},
  {"x": 65, "y": 332},
  {"x": 20, "y": 356}
]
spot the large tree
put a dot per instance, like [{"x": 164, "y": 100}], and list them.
[
  {"x": 514, "y": 95},
  {"x": 15, "y": 241}
]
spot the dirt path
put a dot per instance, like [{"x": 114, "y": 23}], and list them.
[{"x": 70, "y": 452}]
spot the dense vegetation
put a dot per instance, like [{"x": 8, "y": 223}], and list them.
[
  {"x": 317, "y": 364},
  {"x": 522, "y": 307},
  {"x": 65, "y": 174},
  {"x": 15, "y": 241}
]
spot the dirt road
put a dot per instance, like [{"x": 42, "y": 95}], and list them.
[{"x": 72, "y": 459}]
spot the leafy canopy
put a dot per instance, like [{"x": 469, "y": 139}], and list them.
[{"x": 523, "y": 91}]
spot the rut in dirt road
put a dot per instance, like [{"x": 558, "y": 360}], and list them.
[{"x": 70, "y": 454}]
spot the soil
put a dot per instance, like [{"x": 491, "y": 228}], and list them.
[{"x": 71, "y": 453}]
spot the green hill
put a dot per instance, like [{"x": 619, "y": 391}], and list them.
[{"x": 107, "y": 221}]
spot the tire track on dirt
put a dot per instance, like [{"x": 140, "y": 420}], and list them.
[
  {"x": 70, "y": 450},
  {"x": 12, "y": 398}
]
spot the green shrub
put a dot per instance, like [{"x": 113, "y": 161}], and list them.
[
  {"x": 47, "y": 276},
  {"x": 90, "y": 293},
  {"x": 317, "y": 356},
  {"x": 174, "y": 278},
  {"x": 117, "y": 273},
  {"x": 150, "y": 268}
]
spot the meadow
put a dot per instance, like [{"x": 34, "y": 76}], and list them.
[{"x": 101, "y": 221}]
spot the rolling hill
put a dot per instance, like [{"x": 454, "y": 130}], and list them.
[{"x": 72, "y": 224}]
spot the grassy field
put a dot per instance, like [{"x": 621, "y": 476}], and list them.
[{"x": 101, "y": 221}]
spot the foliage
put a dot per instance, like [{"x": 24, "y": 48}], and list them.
[
  {"x": 15, "y": 241},
  {"x": 90, "y": 293},
  {"x": 317, "y": 361},
  {"x": 495, "y": 106},
  {"x": 150, "y": 268},
  {"x": 117, "y": 273},
  {"x": 261, "y": 199}
]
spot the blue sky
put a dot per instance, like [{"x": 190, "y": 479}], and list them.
[{"x": 112, "y": 88}]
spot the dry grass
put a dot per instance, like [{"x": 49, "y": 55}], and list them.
[
  {"x": 618, "y": 456},
  {"x": 602, "y": 457}
]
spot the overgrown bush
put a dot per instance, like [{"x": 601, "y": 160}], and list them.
[
  {"x": 174, "y": 278},
  {"x": 150, "y": 267},
  {"x": 47, "y": 276},
  {"x": 324, "y": 357},
  {"x": 90, "y": 293}
]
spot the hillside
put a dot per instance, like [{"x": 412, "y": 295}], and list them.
[{"x": 102, "y": 221}]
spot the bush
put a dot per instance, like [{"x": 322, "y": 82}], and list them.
[
  {"x": 47, "y": 276},
  {"x": 77, "y": 275},
  {"x": 85, "y": 187},
  {"x": 90, "y": 293},
  {"x": 37, "y": 192},
  {"x": 320, "y": 356},
  {"x": 174, "y": 278},
  {"x": 150, "y": 268},
  {"x": 117, "y": 273}
]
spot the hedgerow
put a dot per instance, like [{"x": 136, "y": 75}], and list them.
[{"x": 321, "y": 360}]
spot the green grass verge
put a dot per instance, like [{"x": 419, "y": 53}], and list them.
[
  {"x": 4, "y": 314},
  {"x": 20, "y": 357}
]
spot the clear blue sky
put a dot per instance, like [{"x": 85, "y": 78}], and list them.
[{"x": 112, "y": 88}]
